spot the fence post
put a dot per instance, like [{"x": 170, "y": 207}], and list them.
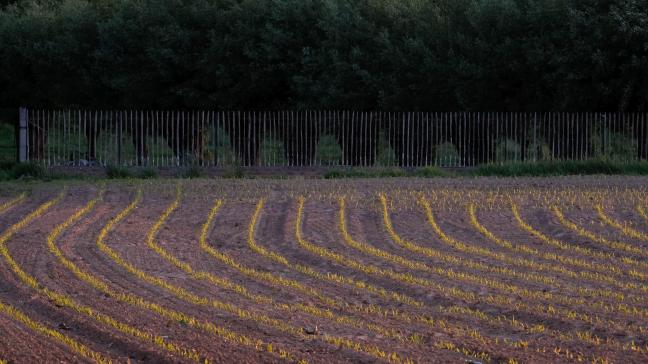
[
  {"x": 119, "y": 138},
  {"x": 22, "y": 135},
  {"x": 536, "y": 148}
]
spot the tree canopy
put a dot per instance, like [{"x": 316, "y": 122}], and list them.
[{"x": 516, "y": 55}]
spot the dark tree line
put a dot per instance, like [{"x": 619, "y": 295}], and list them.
[{"x": 507, "y": 55}]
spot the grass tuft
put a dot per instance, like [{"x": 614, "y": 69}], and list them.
[
  {"x": 9, "y": 171},
  {"x": 385, "y": 172},
  {"x": 146, "y": 173},
  {"x": 192, "y": 172},
  {"x": 115, "y": 172},
  {"x": 560, "y": 168}
]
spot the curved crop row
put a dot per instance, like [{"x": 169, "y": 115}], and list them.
[
  {"x": 266, "y": 277},
  {"x": 586, "y": 292},
  {"x": 625, "y": 229},
  {"x": 614, "y": 245},
  {"x": 449, "y": 273},
  {"x": 642, "y": 212},
  {"x": 266, "y": 300},
  {"x": 72, "y": 344},
  {"x": 425, "y": 319},
  {"x": 323, "y": 252},
  {"x": 469, "y": 263},
  {"x": 66, "y": 301},
  {"x": 581, "y": 291},
  {"x": 140, "y": 302},
  {"x": 602, "y": 267},
  {"x": 13, "y": 202},
  {"x": 19, "y": 316},
  {"x": 194, "y": 299},
  {"x": 462, "y": 294},
  {"x": 501, "y": 301},
  {"x": 182, "y": 293},
  {"x": 337, "y": 296},
  {"x": 276, "y": 281},
  {"x": 340, "y": 279},
  {"x": 328, "y": 276},
  {"x": 458, "y": 293},
  {"x": 566, "y": 314},
  {"x": 410, "y": 279},
  {"x": 471, "y": 249},
  {"x": 451, "y": 259}
]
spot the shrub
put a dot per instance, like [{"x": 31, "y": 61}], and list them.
[
  {"x": 117, "y": 172},
  {"x": 29, "y": 170},
  {"x": 234, "y": 173},
  {"x": 328, "y": 152},
  {"x": 428, "y": 172},
  {"x": 7, "y": 165},
  {"x": 7, "y": 143},
  {"x": 192, "y": 172},
  {"x": 384, "y": 172},
  {"x": 539, "y": 151},
  {"x": 271, "y": 152},
  {"x": 366, "y": 173},
  {"x": 621, "y": 147},
  {"x": 446, "y": 155},
  {"x": 147, "y": 173},
  {"x": 616, "y": 147},
  {"x": 220, "y": 145},
  {"x": 386, "y": 154},
  {"x": 555, "y": 168},
  {"x": 507, "y": 151},
  {"x": 4, "y": 175}
]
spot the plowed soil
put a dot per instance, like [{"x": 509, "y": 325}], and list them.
[{"x": 429, "y": 271}]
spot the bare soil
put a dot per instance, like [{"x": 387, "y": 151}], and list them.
[{"x": 468, "y": 321}]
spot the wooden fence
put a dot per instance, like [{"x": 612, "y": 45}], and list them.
[{"x": 324, "y": 138}]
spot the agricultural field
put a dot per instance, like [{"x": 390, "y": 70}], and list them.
[{"x": 325, "y": 271}]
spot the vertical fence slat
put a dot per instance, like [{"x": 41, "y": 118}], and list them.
[
  {"x": 644, "y": 133},
  {"x": 643, "y": 136},
  {"x": 41, "y": 149},
  {"x": 50, "y": 140},
  {"x": 41, "y": 133},
  {"x": 55, "y": 130},
  {"x": 55, "y": 136},
  {"x": 23, "y": 134},
  {"x": 402, "y": 142},
  {"x": 151, "y": 137}
]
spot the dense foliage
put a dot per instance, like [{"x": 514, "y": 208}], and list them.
[{"x": 361, "y": 54}]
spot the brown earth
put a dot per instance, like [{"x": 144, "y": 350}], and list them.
[{"x": 467, "y": 320}]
